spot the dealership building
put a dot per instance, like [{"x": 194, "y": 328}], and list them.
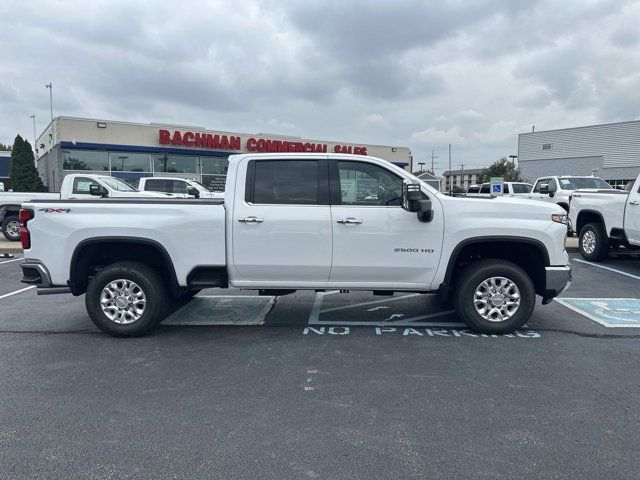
[
  {"x": 133, "y": 150},
  {"x": 610, "y": 151}
]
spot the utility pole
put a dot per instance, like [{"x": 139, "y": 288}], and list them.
[
  {"x": 462, "y": 176},
  {"x": 433, "y": 157},
  {"x": 35, "y": 146},
  {"x": 450, "y": 175},
  {"x": 50, "y": 87}
]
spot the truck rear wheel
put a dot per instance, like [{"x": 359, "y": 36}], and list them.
[
  {"x": 494, "y": 296},
  {"x": 593, "y": 242},
  {"x": 11, "y": 228},
  {"x": 126, "y": 299}
]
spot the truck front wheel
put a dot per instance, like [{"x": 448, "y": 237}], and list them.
[
  {"x": 494, "y": 296},
  {"x": 593, "y": 242},
  {"x": 11, "y": 228},
  {"x": 126, "y": 299}
]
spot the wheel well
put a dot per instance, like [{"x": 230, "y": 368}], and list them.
[
  {"x": 91, "y": 257},
  {"x": 8, "y": 210},
  {"x": 587, "y": 217},
  {"x": 530, "y": 256},
  {"x": 564, "y": 205}
]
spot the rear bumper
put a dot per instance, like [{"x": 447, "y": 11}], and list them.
[
  {"x": 557, "y": 280},
  {"x": 35, "y": 273}
]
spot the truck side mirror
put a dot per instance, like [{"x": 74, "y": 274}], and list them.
[
  {"x": 414, "y": 201},
  {"x": 98, "y": 190},
  {"x": 193, "y": 191}
]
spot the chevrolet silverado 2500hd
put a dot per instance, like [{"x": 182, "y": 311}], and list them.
[
  {"x": 606, "y": 219},
  {"x": 299, "y": 221},
  {"x": 74, "y": 186}
]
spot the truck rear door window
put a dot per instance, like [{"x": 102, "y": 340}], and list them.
[
  {"x": 293, "y": 182},
  {"x": 158, "y": 186},
  {"x": 485, "y": 188}
]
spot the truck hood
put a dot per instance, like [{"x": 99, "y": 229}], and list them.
[{"x": 504, "y": 206}]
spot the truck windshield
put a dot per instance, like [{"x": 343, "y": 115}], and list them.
[
  {"x": 583, "y": 182},
  {"x": 118, "y": 185}
]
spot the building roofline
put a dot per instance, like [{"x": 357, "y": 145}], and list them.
[
  {"x": 580, "y": 127},
  {"x": 195, "y": 127}
]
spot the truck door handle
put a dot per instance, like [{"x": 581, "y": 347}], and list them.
[
  {"x": 250, "y": 220},
  {"x": 350, "y": 221},
  {"x": 634, "y": 202}
]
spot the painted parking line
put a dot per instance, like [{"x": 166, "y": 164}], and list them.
[
  {"x": 597, "y": 265},
  {"x": 9, "y": 261},
  {"x": 17, "y": 292},
  {"x": 396, "y": 320},
  {"x": 608, "y": 312},
  {"x": 206, "y": 310}
]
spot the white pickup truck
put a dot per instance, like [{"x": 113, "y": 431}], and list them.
[
  {"x": 606, "y": 219},
  {"x": 557, "y": 189},
  {"x": 74, "y": 186},
  {"x": 180, "y": 187},
  {"x": 299, "y": 222}
]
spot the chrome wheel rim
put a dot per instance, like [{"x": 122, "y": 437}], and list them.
[
  {"x": 589, "y": 242},
  {"x": 13, "y": 229},
  {"x": 497, "y": 299},
  {"x": 123, "y": 301}
]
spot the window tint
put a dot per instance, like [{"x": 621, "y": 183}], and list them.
[
  {"x": 81, "y": 185},
  {"x": 85, "y": 160},
  {"x": 485, "y": 188},
  {"x": 176, "y": 163},
  {"x": 179, "y": 186},
  {"x": 157, "y": 186},
  {"x": 475, "y": 189},
  {"x": 286, "y": 182},
  {"x": 542, "y": 181},
  {"x": 527, "y": 188},
  {"x": 505, "y": 188},
  {"x": 368, "y": 184},
  {"x": 519, "y": 188}
]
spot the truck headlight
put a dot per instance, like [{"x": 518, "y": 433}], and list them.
[{"x": 560, "y": 218}]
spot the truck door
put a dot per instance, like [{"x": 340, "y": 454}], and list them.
[
  {"x": 282, "y": 222},
  {"x": 375, "y": 241},
  {"x": 632, "y": 215}
]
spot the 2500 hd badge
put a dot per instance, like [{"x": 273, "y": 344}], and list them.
[{"x": 414, "y": 250}]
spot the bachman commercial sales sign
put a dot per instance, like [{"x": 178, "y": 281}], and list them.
[{"x": 231, "y": 142}]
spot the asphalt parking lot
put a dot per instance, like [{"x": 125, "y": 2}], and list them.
[{"x": 324, "y": 386}]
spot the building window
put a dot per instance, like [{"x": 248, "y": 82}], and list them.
[
  {"x": 176, "y": 163},
  {"x": 130, "y": 162},
  {"x": 214, "y": 165},
  {"x": 85, "y": 160}
]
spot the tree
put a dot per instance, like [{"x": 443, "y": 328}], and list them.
[
  {"x": 501, "y": 168},
  {"x": 23, "y": 173},
  {"x": 5, "y": 148}
]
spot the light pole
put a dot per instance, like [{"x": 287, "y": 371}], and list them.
[
  {"x": 35, "y": 145},
  {"x": 513, "y": 159},
  {"x": 50, "y": 87},
  {"x": 421, "y": 166}
]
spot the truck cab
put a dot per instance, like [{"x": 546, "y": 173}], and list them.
[{"x": 557, "y": 189}]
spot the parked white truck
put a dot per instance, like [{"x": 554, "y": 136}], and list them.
[
  {"x": 180, "y": 187},
  {"x": 75, "y": 186},
  {"x": 606, "y": 219},
  {"x": 299, "y": 222},
  {"x": 557, "y": 189}
]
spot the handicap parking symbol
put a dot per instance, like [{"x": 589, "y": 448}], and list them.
[
  {"x": 610, "y": 312},
  {"x": 496, "y": 188}
]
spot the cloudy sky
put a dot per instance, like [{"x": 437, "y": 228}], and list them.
[{"x": 421, "y": 74}]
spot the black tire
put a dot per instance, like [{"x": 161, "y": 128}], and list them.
[
  {"x": 471, "y": 279},
  {"x": 148, "y": 281},
  {"x": 9, "y": 228},
  {"x": 589, "y": 234}
]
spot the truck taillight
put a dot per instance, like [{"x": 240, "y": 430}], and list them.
[{"x": 24, "y": 216}]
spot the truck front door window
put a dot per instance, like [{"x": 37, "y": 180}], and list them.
[{"x": 368, "y": 184}]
